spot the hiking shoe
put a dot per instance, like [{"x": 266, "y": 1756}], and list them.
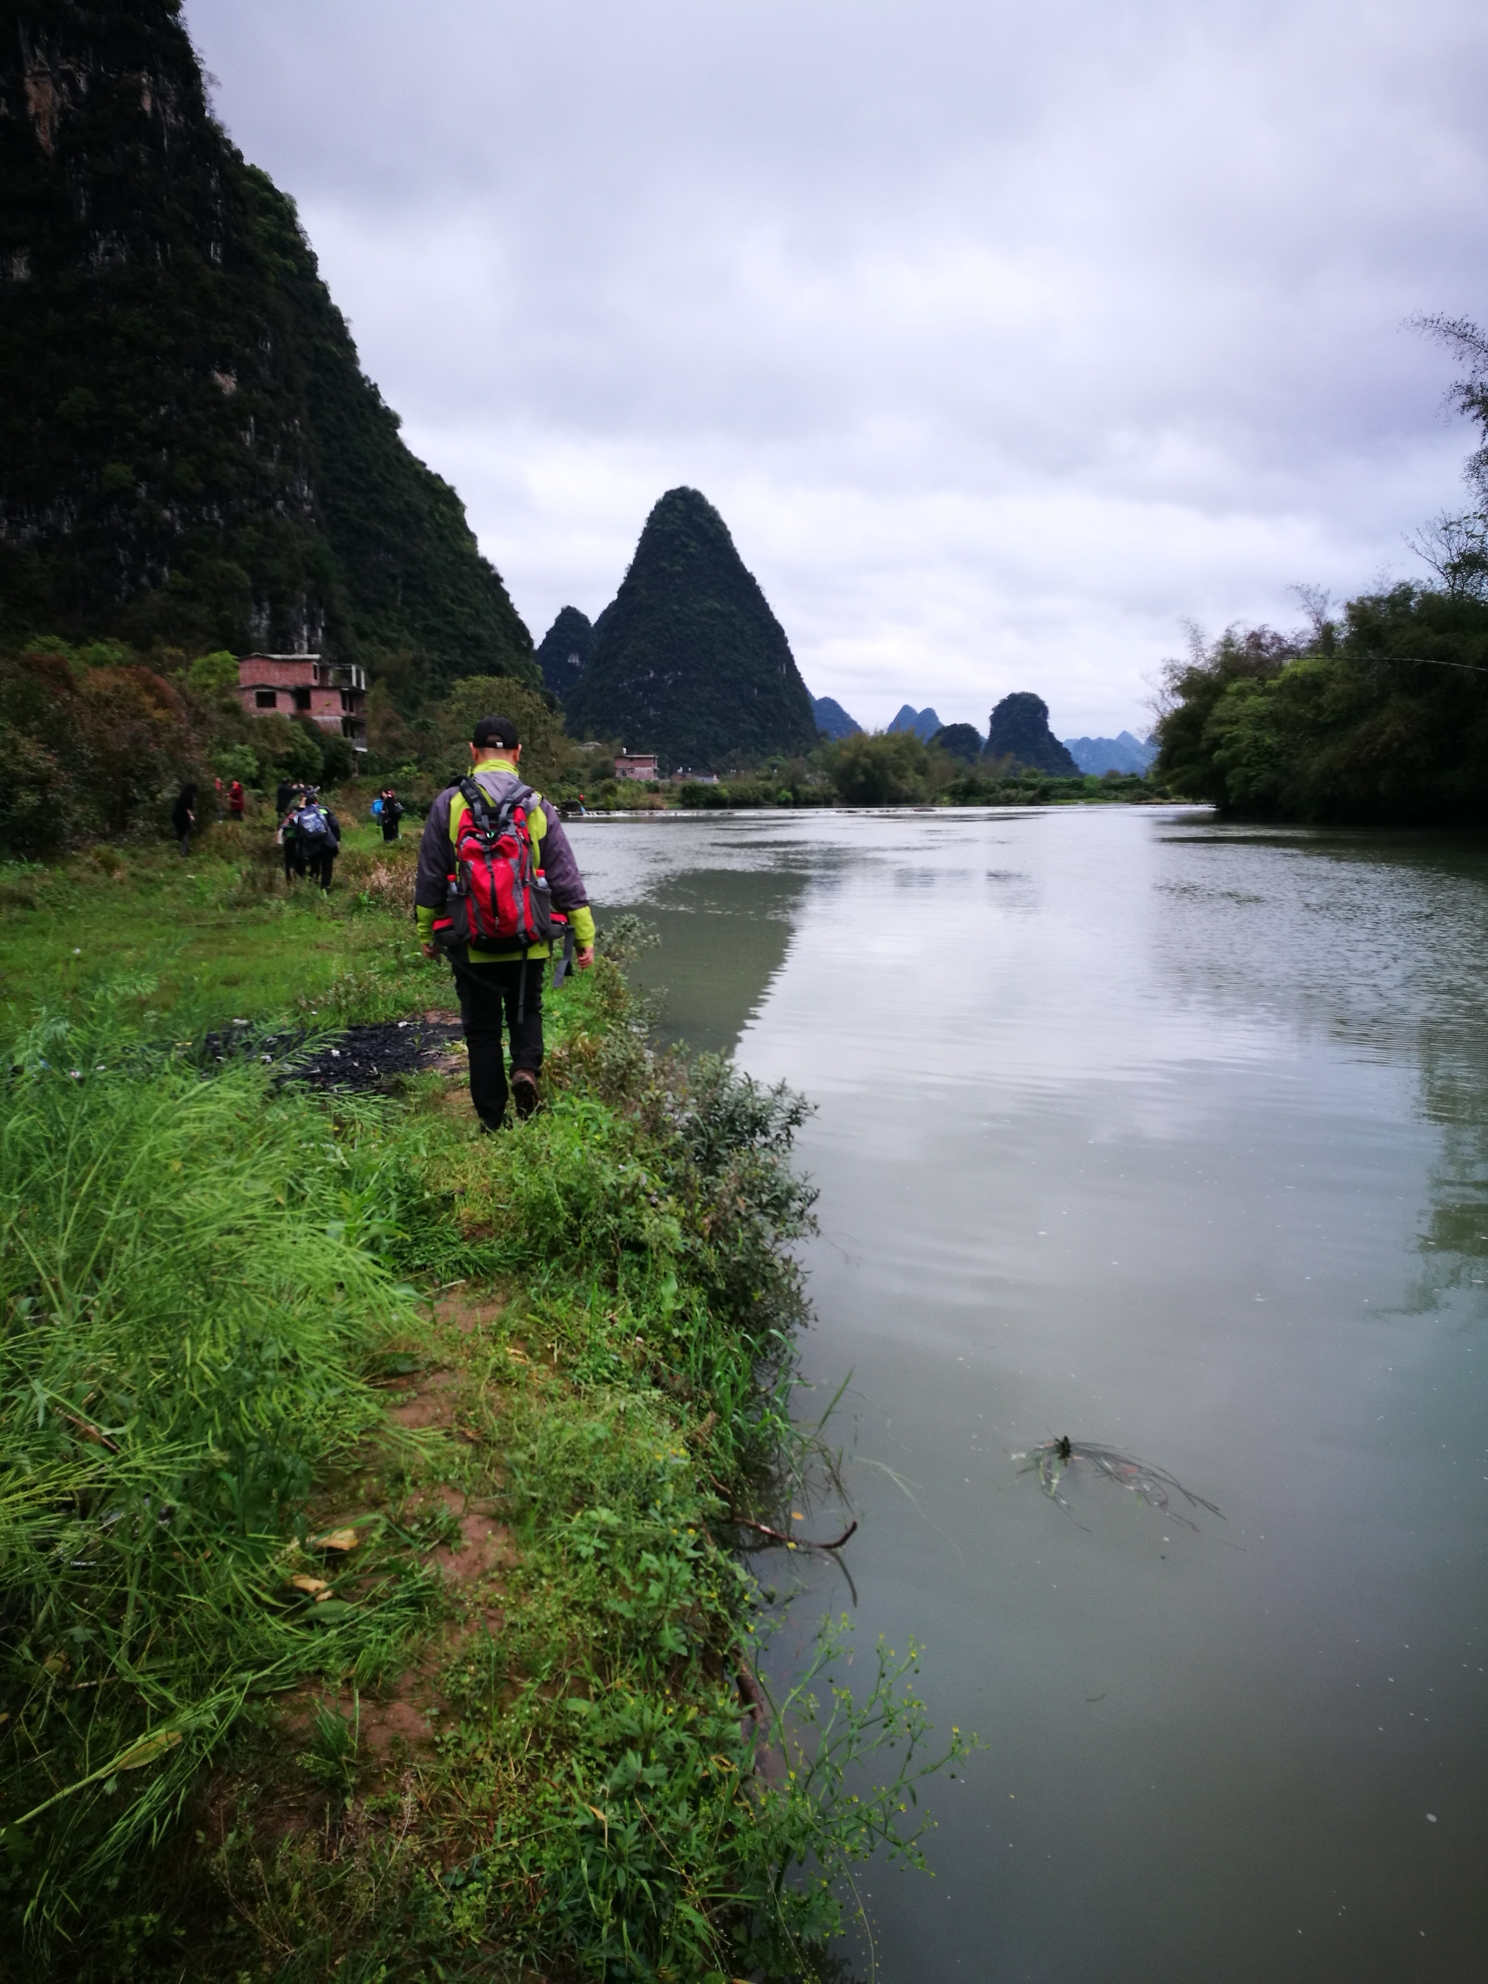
[{"x": 524, "y": 1091}]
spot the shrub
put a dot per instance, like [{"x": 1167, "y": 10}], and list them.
[
  {"x": 214, "y": 671},
  {"x": 889, "y": 768}
]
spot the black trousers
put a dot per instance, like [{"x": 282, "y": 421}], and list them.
[
  {"x": 389, "y": 829},
  {"x": 320, "y": 866},
  {"x": 489, "y": 994}
]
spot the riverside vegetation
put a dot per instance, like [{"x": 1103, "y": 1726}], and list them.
[
  {"x": 97, "y": 738},
  {"x": 1376, "y": 714},
  {"x": 369, "y": 1488}
]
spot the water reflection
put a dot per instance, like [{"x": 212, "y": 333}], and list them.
[
  {"x": 724, "y": 936},
  {"x": 1174, "y": 1137}
]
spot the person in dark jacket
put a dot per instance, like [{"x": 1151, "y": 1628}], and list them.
[
  {"x": 321, "y": 867},
  {"x": 391, "y": 814},
  {"x": 183, "y": 817},
  {"x": 505, "y": 984},
  {"x": 314, "y": 833},
  {"x": 288, "y": 800}
]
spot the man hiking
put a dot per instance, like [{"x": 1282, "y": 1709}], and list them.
[
  {"x": 389, "y": 812},
  {"x": 289, "y": 799},
  {"x": 515, "y": 837},
  {"x": 316, "y": 836}
]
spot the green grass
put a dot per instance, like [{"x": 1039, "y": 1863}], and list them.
[
  {"x": 218, "y": 935},
  {"x": 416, "y": 1761}
]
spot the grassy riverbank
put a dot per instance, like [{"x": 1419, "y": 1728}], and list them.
[{"x": 369, "y": 1487}]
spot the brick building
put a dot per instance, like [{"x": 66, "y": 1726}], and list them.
[
  {"x": 331, "y": 693},
  {"x": 635, "y": 764}
]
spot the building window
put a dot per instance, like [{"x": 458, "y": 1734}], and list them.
[
  {"x": 265, "y": 699},
  {"x": 302, "y": 699}
]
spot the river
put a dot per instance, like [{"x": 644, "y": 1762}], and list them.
[{"x": 1169, "y": 1136}]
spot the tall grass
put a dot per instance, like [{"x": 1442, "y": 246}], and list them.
[{"x": 187, "y": 1304}]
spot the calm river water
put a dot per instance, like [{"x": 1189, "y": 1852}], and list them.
[{"x": 1171, "y": 1137}]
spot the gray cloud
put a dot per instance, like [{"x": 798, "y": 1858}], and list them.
[{"x": 1002, "y": 339}]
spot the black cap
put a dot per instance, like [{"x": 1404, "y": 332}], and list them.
[{"x": 495, "y": 730}]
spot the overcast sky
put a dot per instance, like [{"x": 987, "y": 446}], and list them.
[{"x": 1004, "y": 338}]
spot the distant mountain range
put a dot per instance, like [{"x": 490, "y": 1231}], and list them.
[
  {"x": 832, "y": 719},
  {"x": 1111, "y": 754},
  {"x": 924, "y": 723}
]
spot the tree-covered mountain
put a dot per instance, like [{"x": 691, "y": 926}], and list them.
[
  {"x": 688, "y": 660},
  {"x": 190, "y": 453},
  {"x": 958, "y": 740},
  {"x": 563, "y": 652},
  {"x": 832, "y": 720},
  {"x": 1019, "y": 735}
]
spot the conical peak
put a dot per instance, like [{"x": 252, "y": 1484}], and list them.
[{"x": 685, "y": 517}]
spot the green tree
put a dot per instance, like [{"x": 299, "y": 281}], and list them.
[
  {"x": 544, "y": 749},
  {"x": 886, "y": 768},
  {"x": 1383, "y": 717}
]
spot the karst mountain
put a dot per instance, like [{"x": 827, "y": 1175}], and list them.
[
  {"x": 1019, "y": 736},
  {"x": 687, "y": 659},
  {"x": 563, "y": 652},
  {"x": 190, "y": 452}
]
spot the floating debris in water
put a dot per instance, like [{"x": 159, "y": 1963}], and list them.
[{"x": 1057, "y": 1458}]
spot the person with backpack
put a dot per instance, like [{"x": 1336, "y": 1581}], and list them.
[
  {"x": 390, "y": 812},
  {"x": 289, "y": 799},
  {"x": 317, "y": 838},
  {"x": 497, "y": 882}
]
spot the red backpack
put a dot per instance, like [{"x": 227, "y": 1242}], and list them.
[{"x": 498, "y": 897}]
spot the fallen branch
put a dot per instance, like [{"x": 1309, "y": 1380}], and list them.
[{"x": 776, "y": 1535}]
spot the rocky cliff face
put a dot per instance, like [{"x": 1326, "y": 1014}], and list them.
[
  {"x": 1019, "y": 735},
  {"x": 688, "y": 660},
  {"x": 189, "y": 450}
]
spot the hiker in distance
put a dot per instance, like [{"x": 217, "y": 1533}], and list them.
[
  {"x": 387, "y": 808},
  {"x": 497, "y": 882}
]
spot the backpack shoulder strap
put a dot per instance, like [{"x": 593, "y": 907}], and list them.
[{"x": 480, "y": 803}]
